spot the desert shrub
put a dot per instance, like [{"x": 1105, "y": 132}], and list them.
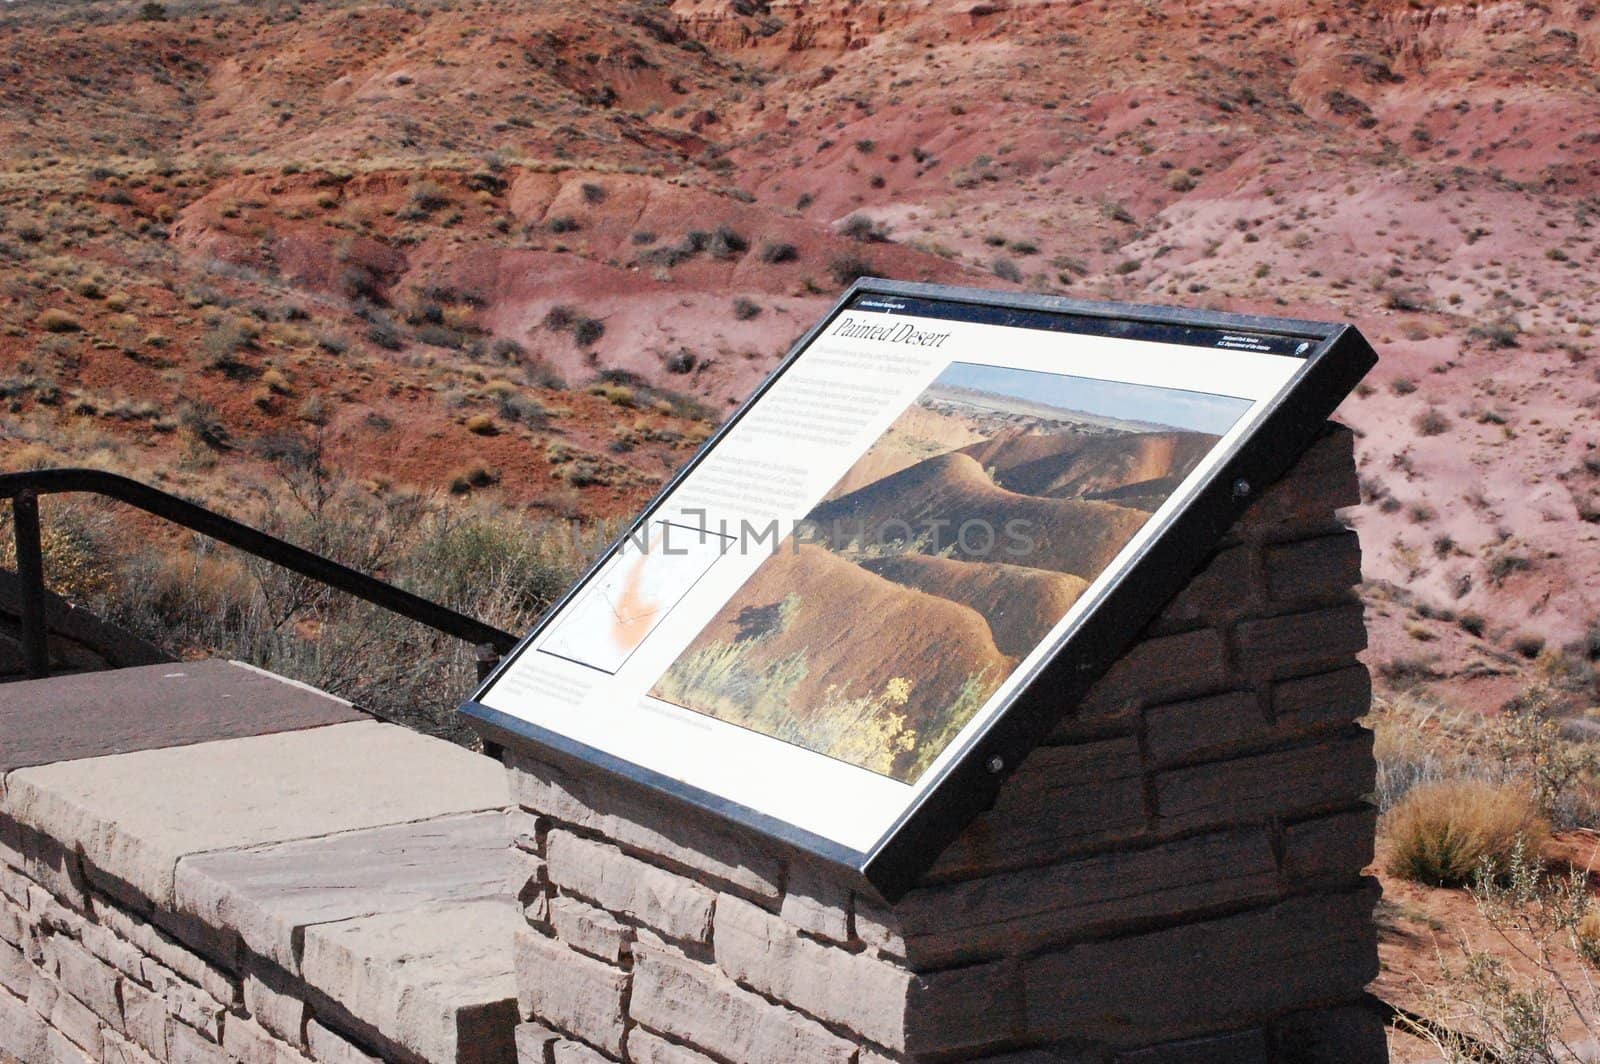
[
  {"x": 1502, "y": 333},
  {"x": 745, "y": 309},
  {"x": 1446, "y": 833},
  {"x": 1006, "y": 270},
  {"x": 860, "y": 227},
  {"x": 382, "y": 333},
  {"x": 774, "y": 252},
  {"x": 725, "y": 243},
  {"x": 1528, "y": 644},
  {"x": 1526, "y": 742},
  {"x": 481, "y": 425},
  {"x": 563, "y": 223},
  {"x": 58, "y": 321},
  {"x": 429, "y": 196},
  {"x": 477, "y": 475},
  {"x": 1402, "y": 386},
  {"x": 506, "y": 350},
  {"x": 1431, "y": 422},
  {"x": 593, "y": 193},
  {"x": 1517, "y": 998},
  {"x": 846, "y": 269},
  {"x": 524, "y": 409},
  {"x": 560, "y": 317},
  {"x": 587, "y": 331}
]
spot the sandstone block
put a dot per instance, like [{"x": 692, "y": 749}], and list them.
[
  {"x": 108, "y": 947},
  {"x": 854, "y": 990},
  {"x": 526, "y": 875},
  {"x": 16, "y": 973},
  {"x": 119, "y": 1050},
  {"x": 534, "y": 1042},
  {"x": 1334, "y": 772},
  {"x": 163, "y": 951},
  {"x": 1353, "y": 1034},
  {"x": 1299, "y": 643},
  {"x": 1239, "y": 1047},
  {"x": 1018, "y": 912},
  {"x": 59, "y": 1049},
  {"x": 1182, "y": 731},
  {"x": 1213, "y": 974},
  {"x": 1323, "y": 699},
  {"x": 695, "y": 1003},
  {"x": 270, "y": 894},
  {"x": 1303, "y": 502},
  {"x": 1162, "y": 669},
  {"x": 437, "y": 980},
  {"x": 193, "y": 1007},
  {"x": 878, "y": 926},
  {"x": 21, "y": 1029},
  {"x": 144, "y": 1014},
  {"x": 675, "y": 906},
  {"x": 11, "y": 924},
  {"x": 77, "y": 1021},
  {"x": 1061, "y": 800},
  {"x": 635, "y": 821},
  {"x": 646, "y": 1047},
  {"x": 185, "y": 1045},
  {"x": 86, "y": 978},
  {"x": 137, "y": 815},
  {"x": 273, "y": 1002},
  {"x": 590, "y": 930},
  {"x": 565, "y": 1052},
  {"x": 247, "y": 1042},
  {"x": 330, "y": 1048},
  {"x": 578, "y": 995},
  {"x": 1223, "y": 590},
  {"x": 817, "y": 901},
  {"x": 1331, "y": 847},
  {"x": 1313, "y": 571},
  {"x": 95, "y": 714}
]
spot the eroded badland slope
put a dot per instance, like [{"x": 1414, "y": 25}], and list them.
[{"x": 424, "y": 231}]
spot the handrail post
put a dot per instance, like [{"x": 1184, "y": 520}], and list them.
[
  {"x": 30, "y": 572},
  {"x": 488, "y": 657}
]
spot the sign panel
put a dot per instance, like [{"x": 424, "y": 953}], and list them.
[{"x": 934, "y": 526}]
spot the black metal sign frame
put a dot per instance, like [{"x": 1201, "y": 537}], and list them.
[{"x": 1334, "y": 358}]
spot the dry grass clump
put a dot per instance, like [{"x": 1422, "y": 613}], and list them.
[
  {"x": 1444, "y": 833},
  {"x": 58, "y": 321}
]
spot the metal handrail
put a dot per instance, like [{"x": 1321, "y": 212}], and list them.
[{"x": 24, "y": 490}]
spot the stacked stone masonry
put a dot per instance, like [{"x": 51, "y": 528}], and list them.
[
  {"x": 204, "y": 863},
  {"x": 1175, "y": 876}
]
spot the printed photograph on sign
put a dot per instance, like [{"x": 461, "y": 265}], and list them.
[
  {"x": 942, "y": 557},
  {"x": 617, "y": 611}
]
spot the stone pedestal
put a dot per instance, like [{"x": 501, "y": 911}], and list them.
[{"x": 1176, "y": 876}]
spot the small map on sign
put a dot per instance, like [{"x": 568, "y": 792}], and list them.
[{"x": 648, "y": 577}]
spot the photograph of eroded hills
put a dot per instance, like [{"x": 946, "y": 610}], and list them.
[{"x": 948, "y": 552}]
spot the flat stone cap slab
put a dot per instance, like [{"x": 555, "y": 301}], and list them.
[
  {"x": 93, "y": 714},
  {"x": 135, "y": 816},
  {"x": 271, "y": 894},
  {"x": 439, "y": 981}
]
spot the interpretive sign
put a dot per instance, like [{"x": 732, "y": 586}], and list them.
[{"x": 936, "y": 523}]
